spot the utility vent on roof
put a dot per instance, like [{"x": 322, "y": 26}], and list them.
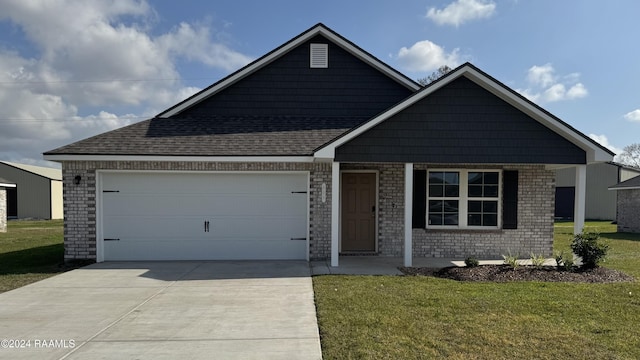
[{"x": 319, "y": 56}]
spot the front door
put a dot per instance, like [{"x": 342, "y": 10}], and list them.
[{"x": 358, "y": 212}]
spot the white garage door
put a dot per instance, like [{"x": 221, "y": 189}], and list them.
[{"x": 195, "y": 216}]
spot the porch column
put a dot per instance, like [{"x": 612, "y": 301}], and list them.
[
  {"x": 335, "y": 213},
  {"x": 580, "y": 199},
  {"x": 408, "y": 214}
]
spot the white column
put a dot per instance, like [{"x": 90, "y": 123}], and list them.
[
  {"x": 580, "y": 199},
  {"x": 335, "y": 213},
  {"x": 408, "y": 214}
]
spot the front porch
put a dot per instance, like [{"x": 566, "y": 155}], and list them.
[{"x": 401, "y": 243}]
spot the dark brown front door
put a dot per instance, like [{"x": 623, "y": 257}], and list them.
[{"x": 358, "y": 212}]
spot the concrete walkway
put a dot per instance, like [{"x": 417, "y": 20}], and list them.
[{"x": 165, "y": 310}]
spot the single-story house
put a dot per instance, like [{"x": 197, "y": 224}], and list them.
[
  {"x": 318, "y": 149},
  {"x": 37, "y": 194},
  {"x": 628, "y": 193},
  {"x": 4, "y": 185},
  {"x": 601, "y": 203}
]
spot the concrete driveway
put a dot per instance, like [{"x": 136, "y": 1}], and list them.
[{"x": 165, "y": 310}]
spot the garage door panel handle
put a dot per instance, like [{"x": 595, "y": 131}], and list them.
[{"x": 206, "y": 226}]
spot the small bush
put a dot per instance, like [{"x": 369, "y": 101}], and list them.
[
  {"x": 564, "y": 261},
  {"x": 471, "y": 262},
  {"x": 537, "y": 260},
  {"x": 588, "y": 247},
  {"x": 511, "y": 260}
]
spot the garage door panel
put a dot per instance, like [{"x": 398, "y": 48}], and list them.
[
  {"x": 202, "y": 205},
  {"x": 194, "y": 249},
  {"x": 228, "y": 227},
  {"x": 161, "y": 216}
]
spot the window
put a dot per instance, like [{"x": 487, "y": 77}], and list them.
[
  {"x": 444, "y": 195},
  {"x": 463, "y": 199}
]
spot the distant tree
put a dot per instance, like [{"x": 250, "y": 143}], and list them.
[
  {"x": 631, "y": 155},
  {"x": 442, "y": 71}
]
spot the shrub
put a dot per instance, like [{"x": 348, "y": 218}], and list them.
[
  {"x": 588, "y": 247},
  {"x": 537, "y": 260},
  {"x": 471, "y": 262},
  {"x": 564, "y": 261},
  {"x": 511, "y": 260}
]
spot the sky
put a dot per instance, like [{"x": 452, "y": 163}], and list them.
[{"x": 71, "y": 69}]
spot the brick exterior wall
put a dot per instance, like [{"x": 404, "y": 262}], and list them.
[
  {"x": 80, "y": 200},
  {"x": 629, "y": 210},
  {"x": 534, "y": 233},
  {"x": 3, "y": 209},
  {"x": 536, "y": 199}
]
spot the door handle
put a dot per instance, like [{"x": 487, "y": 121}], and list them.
[{"x": 206, "y": 226}]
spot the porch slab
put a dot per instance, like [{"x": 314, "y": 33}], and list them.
[{"x": 378, "y": 265}]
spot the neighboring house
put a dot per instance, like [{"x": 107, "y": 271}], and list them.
[
  {"x": 37, "y": 194},
  {"x": 601, "y": 203},
  {"x": 4, "y": 185},
  {"x": 319, "y": 149},
  {"x": 628, "y": 193}
]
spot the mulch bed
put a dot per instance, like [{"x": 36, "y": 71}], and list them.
[{"x": 505, "y": 273}]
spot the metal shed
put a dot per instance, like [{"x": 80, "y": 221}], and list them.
[{"x": 37, "y": 193}]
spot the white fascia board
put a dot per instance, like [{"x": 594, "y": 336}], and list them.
[
  {"x": 7, "y": 185},
  {"x": 259, "y": 159},
  {"x": 318, "y": 30}
]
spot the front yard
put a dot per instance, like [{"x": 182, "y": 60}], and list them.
[
  {"x": 30, "y": 251},
  {"x": 383, "y": 317},
  {"x": 405, "y": 317}
]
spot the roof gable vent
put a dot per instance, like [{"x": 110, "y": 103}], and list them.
[{"x": 319, "y": 56}]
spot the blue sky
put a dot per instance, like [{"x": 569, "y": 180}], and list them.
[{"x": 73, "y": 69}]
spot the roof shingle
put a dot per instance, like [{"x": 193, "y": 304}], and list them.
[{"x": 216, "y": 136}]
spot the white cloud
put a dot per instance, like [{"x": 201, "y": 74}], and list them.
[
  {"x": 604, "y": 141},
  {"x": 541, "y": 75},
  {"x": 546, "y": 86},
  {"x": 427, "y": 56},
  {"x": 95, "y": 62},
  {"x": 633, "y": 115},
  {"x": 461, "y": 11}
]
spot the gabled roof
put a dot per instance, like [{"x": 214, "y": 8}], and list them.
[
  {"x": 631, "y": 184},
  {"x": 594, "y": 151},
  {"x": 49, "y": 173},
  {"x": 213, "y": 136},
  {"x": 318, "y": 29}
]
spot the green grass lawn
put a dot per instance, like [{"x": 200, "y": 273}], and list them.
[
  {"x": 385, "y": 317},
  {"x": 391, "y": 317},
  {"x": 30, "y": 251}
]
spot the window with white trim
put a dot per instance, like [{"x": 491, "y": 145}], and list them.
[{"x": 463, "y": 198}]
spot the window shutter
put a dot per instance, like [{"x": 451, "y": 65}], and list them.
[
  {"x": 419, "y": 199},
  {"x": 510, "y": 200}
]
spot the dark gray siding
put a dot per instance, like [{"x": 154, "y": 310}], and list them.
[
  {"x": 461, "y": 123},
  {"x": 289, "y": 87}
]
